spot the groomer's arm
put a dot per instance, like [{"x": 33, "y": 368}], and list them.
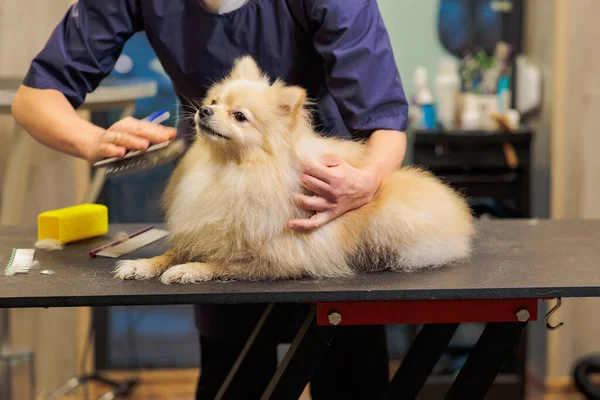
[
  {"x": 51, "y": 120},
  {"x": 386, "y": 151},
  {"x": 79, "y": 54},
  {"x": 365, "y": 84}
]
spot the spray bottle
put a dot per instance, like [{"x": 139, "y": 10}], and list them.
[{"x": 423, "y": 115}]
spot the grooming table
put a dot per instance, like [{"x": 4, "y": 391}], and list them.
[{"x": 515, "y": 264}]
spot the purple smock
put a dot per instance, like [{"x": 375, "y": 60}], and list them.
[{"x": 339, "y": 51}]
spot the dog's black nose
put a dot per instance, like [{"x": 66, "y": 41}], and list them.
[{"x": 206, "y": 112}]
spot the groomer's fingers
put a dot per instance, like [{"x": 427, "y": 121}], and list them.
[
  {"x": 331, "y": 160},
  {"x": 317, "y": 186},
  {"x": 316, "y": 221},
  {"x": 108, "y": 150},
  {"x": 312, "y": 203},
  {"x": 318, "y": 171},
  {"x": 154, "y": 133},
  {"x": 126, "y": 140}
]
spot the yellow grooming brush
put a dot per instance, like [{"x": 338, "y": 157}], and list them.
[{"x": 74, "y": 223}]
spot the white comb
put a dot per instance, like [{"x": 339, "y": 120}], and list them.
[{"x": 20, "y": 262}]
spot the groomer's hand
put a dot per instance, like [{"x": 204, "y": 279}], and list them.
[
  {"x": 127, "y": 134},
  {"x": 337, "y": 188}
]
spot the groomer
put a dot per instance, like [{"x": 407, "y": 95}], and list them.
[{"x": 338, "y": 50}]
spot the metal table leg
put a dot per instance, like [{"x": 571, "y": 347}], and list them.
[
  {"x": 486, "y": 360},
  {"x": 32, "y": 384},
  {"x": 9, "y": 357},
  {"x": 5, "y": 378},
  {"x": 273, "y": 320},
  {"x": 420, "y": 360},
  {"x": 301, "y": 361}
]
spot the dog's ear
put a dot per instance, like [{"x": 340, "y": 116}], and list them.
[
  {"x": 246, "y": 68},
  {"x": 292, "y": 99}
]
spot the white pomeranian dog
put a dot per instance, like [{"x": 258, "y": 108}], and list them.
[{"x": 231, "y": 197}]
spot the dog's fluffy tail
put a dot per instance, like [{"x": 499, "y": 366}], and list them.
[{"x": 416, "y": 221}]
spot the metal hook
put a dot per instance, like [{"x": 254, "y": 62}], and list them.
[{"x": 552, "y": 311}]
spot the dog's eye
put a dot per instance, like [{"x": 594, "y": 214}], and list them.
[
  {"x": 239, "y": 117},
  {"x": 213, "y": 103}
]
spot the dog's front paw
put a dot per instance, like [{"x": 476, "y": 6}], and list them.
[
  {"x": 136, "y": 269},
  {"x": 187, "y": 273}
]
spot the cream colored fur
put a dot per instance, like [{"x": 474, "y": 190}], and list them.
[{"x": 230, "y": 199}]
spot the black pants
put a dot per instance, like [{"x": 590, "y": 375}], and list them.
[{"x": 355, "y": 367}]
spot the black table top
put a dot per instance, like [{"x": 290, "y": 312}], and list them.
[{"x": 513, "y": 259}]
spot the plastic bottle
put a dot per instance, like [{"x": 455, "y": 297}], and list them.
[
  {"x": 416, "y": 112},
  {"x": 470, "y": 118},
  {"x": 426, "y": 103},
  {"x": 447, "y": 89},
  {"x": 504, "y": 94}
]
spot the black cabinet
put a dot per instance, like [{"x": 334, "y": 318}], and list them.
[{"x": 477, "y": 164}]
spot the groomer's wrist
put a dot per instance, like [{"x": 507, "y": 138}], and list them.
[
  {"x": 86, "y": 144},
  {"x": 375, "y": 173},
  {"x": 372, "y": 177}
]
